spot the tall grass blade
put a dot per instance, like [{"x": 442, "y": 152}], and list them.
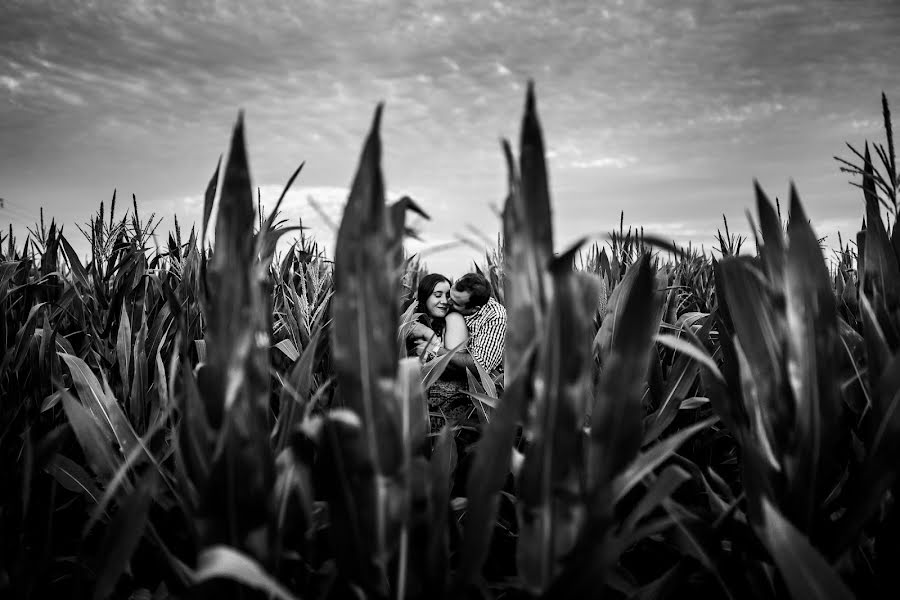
[
  {"x": 879, "y": 472},
  {"x": 123, "y": 347},
  {"x": 299, "y": 381},
  {"x": 139, "y": 381},
  {"x": 223, "y": 562},
  {"x": 96, "y": 440},
  {"x": 617, "y": 412},
  {"x": 73, "y": 477},
  {"x": 434, "y": 369},
  {"x": 549, "y": 512},
  {"x": 696, "y": 353},
  {"x": 682, "y": 375},
  {"x": 25, "y": 335},
  {"x": 773, "y": 247},
  {"x": 235, "y": 382},
  {"x": 528, "y": 246},
  {"x": 208, "y": 198},
  {"x": 123, "y": 534},
  {"x": 231, "y": 262},
  {"x": 364, "y": 350},
  {"x": 268, "y": 235},
  {"x": 812, "y": 340},
  {"x": 78, "y": 270},
  {"x": 804, "y": 570},
  {"x": 103, "y": 407},
  {"x": 653, "y": 457},
  {"x": 880, "y": 276},
  {"x": 760, "y": 329},
  {"x": 611, "y": 321},
  {"x": 669, "y": 480},
  {"x": 442, "y": 468},
  {"x": 411, "y": 399},
  {"x": 535, "y": 188}
]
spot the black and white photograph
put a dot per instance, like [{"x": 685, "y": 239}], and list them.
[{"x": 494, "y": 300}]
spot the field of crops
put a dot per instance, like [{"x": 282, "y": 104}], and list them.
[{"x": 205, "y": 419}]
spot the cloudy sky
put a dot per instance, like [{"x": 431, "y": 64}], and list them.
[{"x": 666, "y": 110}]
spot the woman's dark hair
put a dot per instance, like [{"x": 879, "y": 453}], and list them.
[{"x": 423, "y": 292}]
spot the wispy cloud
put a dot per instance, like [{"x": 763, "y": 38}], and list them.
[
  {"x": 616, "y": 162},
  {"x": 10, "y": 83}
]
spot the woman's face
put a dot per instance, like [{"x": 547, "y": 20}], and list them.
[{"x": 438, "y": 303}]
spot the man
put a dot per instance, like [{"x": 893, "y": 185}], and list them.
[{"x": 485, "y": 318}]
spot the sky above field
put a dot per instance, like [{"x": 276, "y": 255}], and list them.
[{"x": 666, "y": 111}]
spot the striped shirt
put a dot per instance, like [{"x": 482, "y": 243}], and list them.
[{"x": 487, "y": 334}]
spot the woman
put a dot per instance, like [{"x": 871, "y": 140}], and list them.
[{"x": 438, "y": 327}]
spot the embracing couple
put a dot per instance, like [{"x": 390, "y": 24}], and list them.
[{"x": 450, "y": 315}]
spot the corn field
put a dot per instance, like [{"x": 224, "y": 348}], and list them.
[{"x": 207, "y": 419}]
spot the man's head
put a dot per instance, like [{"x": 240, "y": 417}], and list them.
[{"x": 470, "y": 293}]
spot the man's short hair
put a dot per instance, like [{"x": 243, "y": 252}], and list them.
[{"x": 478, "y": 287}]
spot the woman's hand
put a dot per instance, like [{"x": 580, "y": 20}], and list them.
[
  {"x": 428, "y": 349},
  {"x": 420, "y": 331}
]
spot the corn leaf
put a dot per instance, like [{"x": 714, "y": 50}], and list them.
[
  {"x": 26, "y": 334},
  {"x": 528, "y": 245},
  {"x": 617, "y": 413},
  {"x": 682, "y": 375},
  {"x": 71, "y": 476},
  {"x": 812, "y": 339},
  {"x": 773, "y": 247},
  {"x": 364, "y": 330},
  {"x": 230, "y": 320},
  {"x": 195, "y": 436},
  {"x": 880, "y": 277},
  {"x": 433, "y": 370},
  {"x": 879, "y": 472},
  {"x": 95, "y": 439},
  {"x": 653, "y": 457},
  {"x": 123, "y": 347},
  {"x": 441, "y": 470},
  {"x": 123, "y": 534},
  {"x": 549, "y": 476},
  {"x": 296, "y": 391},
  {"x": 397, "y": 230},
  {"x": 664, "y": 486},
  {"x": 103, "y": 407},
  {"x": 878, "y": 351},
  {"x": 288, "y": 348},
  {"x": 208, "y": 199},
  {"x": 224, "y": 562},
  {"x": 78, "y": 270},
  {"x": 535, "y": 189},
  {"x": 413, "y": 405},
  {"x": 120, "y": 480},
  {"x": 139, "y": 381},
  {"x": 760, "y": 329},
  {"x": 235, "y": 383},
  {"x": 804, "y": 570},
  {"x": 698, "y": 354},
  {"x": 355, "y": 496},
  {"x": 611, "y": 320},
  {"x": 364, "y": 350}
]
